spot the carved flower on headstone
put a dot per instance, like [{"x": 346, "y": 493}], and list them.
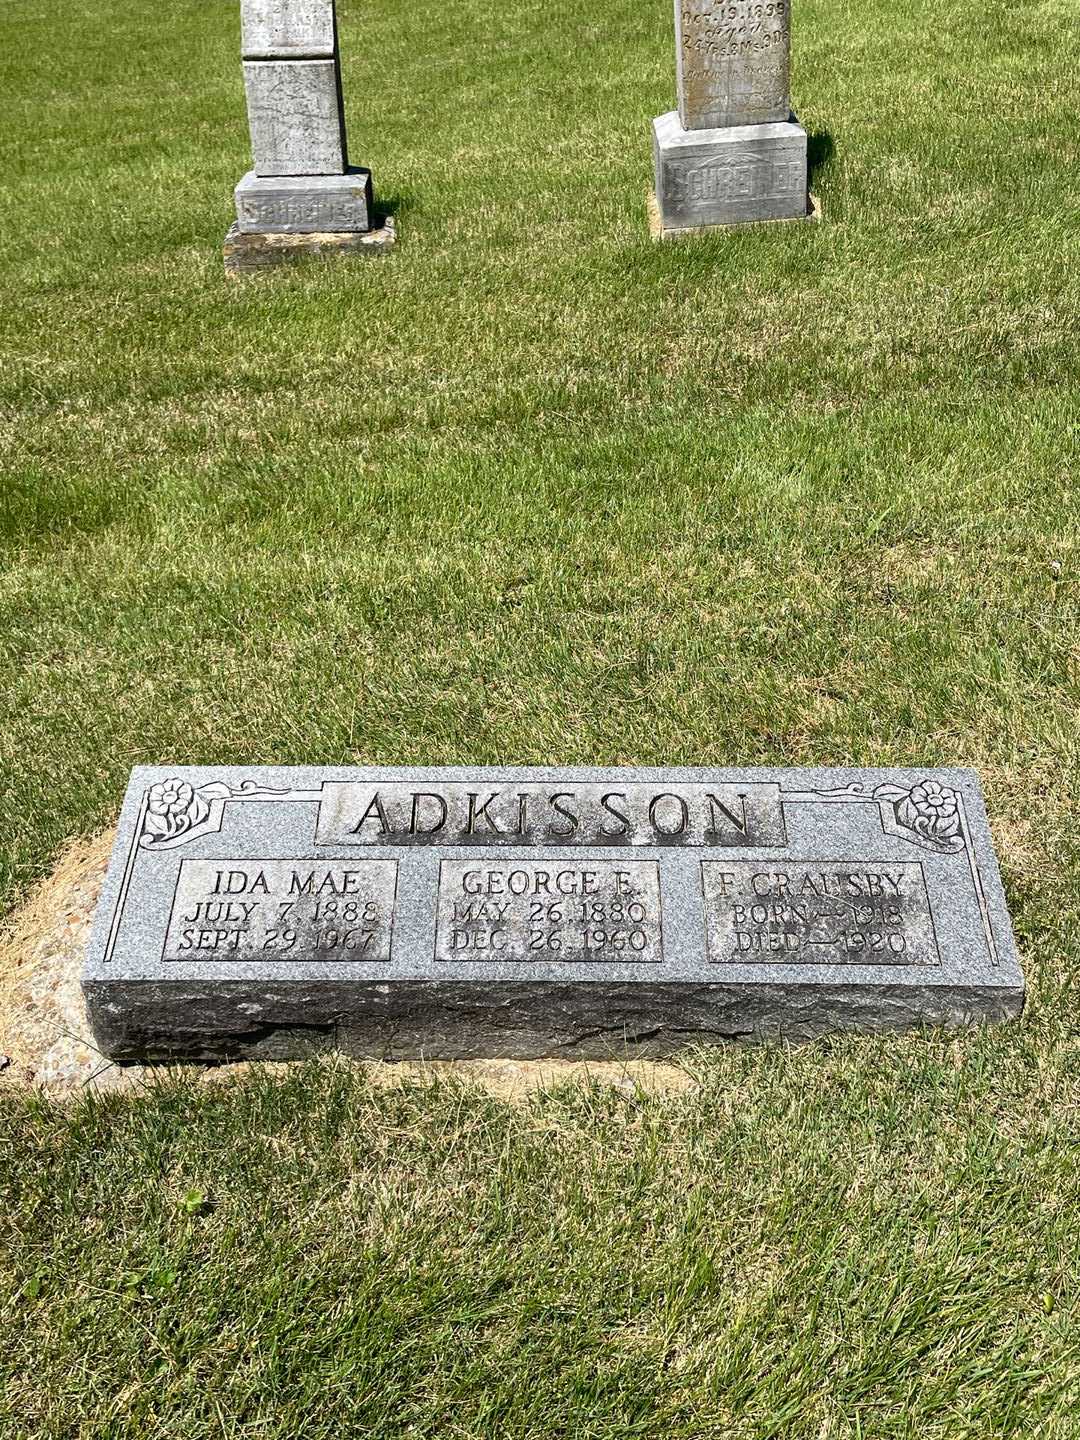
[
  {"x": 931, "y": 810},
  {"x": 173, "y": 806}
]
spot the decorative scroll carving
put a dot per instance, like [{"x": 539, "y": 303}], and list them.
[
  {"x": 927, "y": 814},
  {"x": 176, "y": 811}
]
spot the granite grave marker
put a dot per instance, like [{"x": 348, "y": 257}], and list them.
[
  {"x": 733, "y": 153},
  {"x": 539, "y": 911},
  {"x": 301, "y": 196}
]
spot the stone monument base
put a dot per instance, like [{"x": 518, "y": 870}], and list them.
[
  {"x": 247, "y": 252},
  {"x": 304, "y": 204},
  {"x": 738, "y": 175},
  {"x": 659, "y": 231}
]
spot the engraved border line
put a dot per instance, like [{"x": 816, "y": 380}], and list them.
[
  {"x": 129, "y": 866},
  {"x": 976, "y": 877}
]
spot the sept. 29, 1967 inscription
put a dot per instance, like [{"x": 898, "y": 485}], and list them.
[{"x": 530, "y": 911}]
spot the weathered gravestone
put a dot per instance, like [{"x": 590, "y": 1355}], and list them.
[
  {"x": 537, "y": 912},
  {"x": 302, "y": 196},
  {"x": 733, "y": 153}
]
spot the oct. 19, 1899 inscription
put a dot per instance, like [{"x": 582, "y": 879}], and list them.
[{"x": 540, "y": 911}]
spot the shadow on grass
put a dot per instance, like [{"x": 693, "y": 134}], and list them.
[
  {"x": 819, "y": 151},
  {"x": 397, "y": 203}
]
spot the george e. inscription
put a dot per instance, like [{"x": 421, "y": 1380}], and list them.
[{"x": 606, "y": 911}]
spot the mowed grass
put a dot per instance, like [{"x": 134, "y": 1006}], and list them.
[
  {"x": 855, "y": 1239},
  {"x": 534, "y": 489}
]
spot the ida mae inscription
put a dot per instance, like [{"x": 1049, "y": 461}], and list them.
[{"x": 537, "y": 911}]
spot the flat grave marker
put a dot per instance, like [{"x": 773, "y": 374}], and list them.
[{"x": 527, "y": 911}]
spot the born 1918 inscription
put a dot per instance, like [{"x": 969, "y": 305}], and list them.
[{"x": 521, "y": 912}]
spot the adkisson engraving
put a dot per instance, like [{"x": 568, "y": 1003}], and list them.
[
  {"x": 599, "y": 911},
  {"x": 585, "y": 813},
  {"x": 818, "y": 913},
  {"x": 282, "y": 910}
]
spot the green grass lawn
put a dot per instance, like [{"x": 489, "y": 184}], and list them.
[{"x": 534, "y": 489}]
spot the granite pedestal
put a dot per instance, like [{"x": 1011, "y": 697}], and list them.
[
  {"x": 732, "y": 153},
  {"x": 304, "y": 204},
  {"x": 301, "y": 198},
  {"x": 733, "y": 176},
  {"x": 542, "y": 912}
]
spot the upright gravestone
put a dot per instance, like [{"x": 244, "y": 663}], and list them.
[
  {"x": 530, "y": 912},
  {"x": 301, "y": 194},
  {"x": 733, "y": 153}
]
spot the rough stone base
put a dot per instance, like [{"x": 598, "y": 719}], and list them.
[
  {"x": 46, "y": 1042},
  {"x": 198, "y": 1019},
  {"x": 738, "y": 175},
  {"x": 247, "y": 254},
  {"x": 658, "y": 231}
]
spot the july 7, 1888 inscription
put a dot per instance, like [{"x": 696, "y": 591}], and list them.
[{"x": 536, "y": 911}]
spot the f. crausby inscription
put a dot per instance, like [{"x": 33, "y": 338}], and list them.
[
  {"x": 826, "y": 914},
  {"x": 542, "y": 911}
]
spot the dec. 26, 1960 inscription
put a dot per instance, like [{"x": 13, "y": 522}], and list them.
[
  {"x": 521, "y": 912},
  {"x": 600, "y": 911}
]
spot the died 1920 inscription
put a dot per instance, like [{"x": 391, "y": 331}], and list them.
[
  {"x": 523, "y": 912},
  {"x": 825, "y": 914}
]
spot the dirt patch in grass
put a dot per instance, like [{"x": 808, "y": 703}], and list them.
[{"x": 45, "y": 1036}]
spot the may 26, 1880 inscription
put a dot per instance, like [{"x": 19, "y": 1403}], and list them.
[
  {"x": 533, "y": 911},
  {"x": 584, "y": 911}
]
